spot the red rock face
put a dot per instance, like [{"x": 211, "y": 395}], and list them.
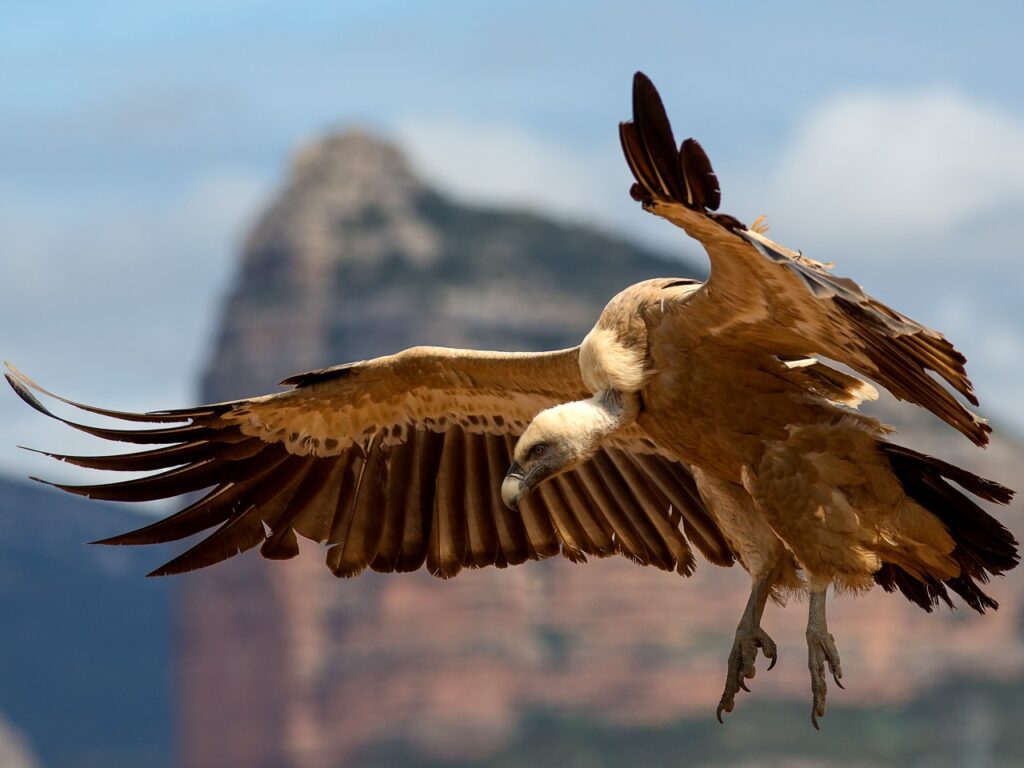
[{"x": 281, "y": 664}]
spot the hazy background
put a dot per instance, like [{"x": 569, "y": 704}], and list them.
[
  {"x": 138, "y": 146},
  {"x": 137, "y": 141}
]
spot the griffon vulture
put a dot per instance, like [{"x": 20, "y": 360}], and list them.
[{"x": 691, "y": 413}]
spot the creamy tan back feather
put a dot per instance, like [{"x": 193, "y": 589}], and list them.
[{"x": 396, "y": 463}]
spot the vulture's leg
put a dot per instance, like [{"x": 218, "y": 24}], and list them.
[
  {"x": 821, "y": 649},
  {"x": 749, "y": 637}
]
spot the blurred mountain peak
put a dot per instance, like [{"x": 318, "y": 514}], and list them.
[
  {"x": 356, "y": 256},
  {"x": 356, "y": 161},
  {"x": 351, "y": 198}
]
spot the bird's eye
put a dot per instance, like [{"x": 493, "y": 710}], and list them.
[{"x": 539, "y": 450}]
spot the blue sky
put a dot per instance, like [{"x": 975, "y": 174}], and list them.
[{"x": 138, "y": 141}]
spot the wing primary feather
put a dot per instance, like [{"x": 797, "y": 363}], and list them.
[
  {"x": 213, "y": 509},
  {"x": 907, "y": 380},
  {"x": 483, "y": 536},
  {"x": 281, "y": 543},
  {"x": 399, "y": 472},
  {"x": 879, "y": 329},
  {"x": 174, "y": 482},
  {"x": 446, "y": 549},
  {"x": 419, "y": 506},
  {"x": 657, "y": 553},
  {"x": 341, "y": 525},
  {"x": 540, "y": 533},
  {"x": 351, "y": 555},
  {"x": 574, "y": 544},
  {"x": 318, "y": 497},
  {"x": 345, "y": 523},
  {"x": 655, "y": 505},
  {"x": 678, "y": 487},
  {"x": 163, "y": 458},
  {"x": 655, "y": 133},
  {"x": 187, "y": 432},
  {"x": 508, "y": 523},
  {"x": 848, "y": 325},
  {"x": 700, "y": 177},
  {"x": 154, "y": 436},
  {"x": 245, "y": 529},
  {"x": 27, "y": 383},
  {"x": 512, "y": 542},
  {"x": 636, "y": 158},
  {"x": 596, "y": 529},
  {"x": 627, "y": 540}
]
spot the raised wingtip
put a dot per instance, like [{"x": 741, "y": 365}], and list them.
[
  {"x": 111, "y": 541},
  {"x": 12, "y": 370},
  {"x": 21, "y": 391},
  {"x": 40, "y": 452},
  {"x": 647, "y": 98}
]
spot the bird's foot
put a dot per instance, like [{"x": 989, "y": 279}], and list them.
[
  {"x": 749, "y": 637},
  {"x": 821, "y": 650}
]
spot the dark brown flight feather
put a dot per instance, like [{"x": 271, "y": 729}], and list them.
[{"x": 432, "y": 499}]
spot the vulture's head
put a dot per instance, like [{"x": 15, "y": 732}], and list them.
[{"x": 557, "y": 440}]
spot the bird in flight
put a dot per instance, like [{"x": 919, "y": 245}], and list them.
[{"x": 693, "y": 415}]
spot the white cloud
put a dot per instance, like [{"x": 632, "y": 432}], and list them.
[{"x": 867, "y": 168}]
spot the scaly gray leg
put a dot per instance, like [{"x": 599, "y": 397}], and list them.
[
  {"x": 821, "y": 649},
  {"x": 749, "y": 637}
]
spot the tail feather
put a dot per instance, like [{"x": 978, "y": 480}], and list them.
[
  {"x": 984, "y": 547},
  {"x": 925, "y": 594}
]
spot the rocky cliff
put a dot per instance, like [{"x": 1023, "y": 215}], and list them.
[{"x": 283, "y": 665}]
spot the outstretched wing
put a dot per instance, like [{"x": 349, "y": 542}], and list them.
[
  {"x": 761, "y": 293},
  {"x": 395, "y": 463}
]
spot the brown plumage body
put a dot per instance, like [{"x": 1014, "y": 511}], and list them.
[
  {"x": 813, "y": 471},
  {"x": 691, "y": 414}
]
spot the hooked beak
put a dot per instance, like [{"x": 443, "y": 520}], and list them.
[{"x": 514, "y": 486}]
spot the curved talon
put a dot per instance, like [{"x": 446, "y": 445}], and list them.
[
  {"x": 769, "y": 649},
  {"x": 742, "y": 667},
  {"x": 821, "y": 650}
]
